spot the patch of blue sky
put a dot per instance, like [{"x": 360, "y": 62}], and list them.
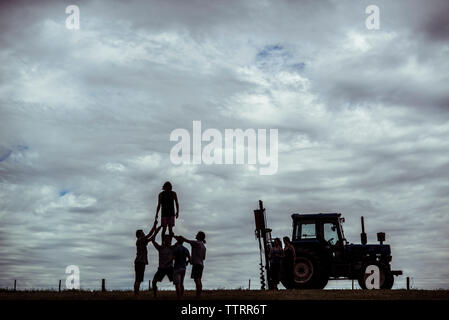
[
  {"x": 22, "y": 147},
  {"x": 63, "y": 192},
  {"x": 269, "y": 50},
  {"x": 298, "y": 66},
  {"x": 4, "y": 154},
  {"x": 276, "y": 57}
]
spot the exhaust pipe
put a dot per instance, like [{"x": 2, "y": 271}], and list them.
[{"x": 363, "y": 237}]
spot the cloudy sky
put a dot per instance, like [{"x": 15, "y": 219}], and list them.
[{"x": 86, "y": 117}]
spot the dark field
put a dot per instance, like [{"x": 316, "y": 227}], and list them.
[{"x": 234, "y": 295}]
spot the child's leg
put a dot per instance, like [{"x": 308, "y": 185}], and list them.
[
  {"x": 154, "y": 285},
  {"x": 178, "y": 291},
  {"x": 136, "y": 287},
  {"x": 199, "y": 287},
  {"x": 164, "y": 229},
  {"x": 171, "y": 224},
  {"x": 181, "y": 284}
]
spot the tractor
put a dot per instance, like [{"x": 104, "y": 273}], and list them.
[{"x": 323, "y": 253}]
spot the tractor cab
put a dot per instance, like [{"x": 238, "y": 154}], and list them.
[
  {"x": 323, "y": 234},
  {"x": 324, "y": 228}
]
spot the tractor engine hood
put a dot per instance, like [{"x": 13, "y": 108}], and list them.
[{"x": 371, "y": 249}]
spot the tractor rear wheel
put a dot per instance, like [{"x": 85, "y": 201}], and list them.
[
  {"x": 386, "y": 278},
  {"x": 309, "y": 271}
]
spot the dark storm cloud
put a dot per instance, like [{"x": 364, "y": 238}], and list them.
[
  {"x": 434, "y": 23},
  {"x": 86, "y": 119}
]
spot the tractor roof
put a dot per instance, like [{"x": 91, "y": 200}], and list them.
[{"x": 304, "y": 216}]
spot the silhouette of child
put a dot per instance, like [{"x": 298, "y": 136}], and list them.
[
  {"x": 142, "y": 254},
  {"x": 167, "y": 199}
]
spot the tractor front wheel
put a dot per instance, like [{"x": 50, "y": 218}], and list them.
[{"x": 309, "y": 271}]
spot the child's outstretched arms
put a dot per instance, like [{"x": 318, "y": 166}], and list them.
[
  {"x": 152, "y": 229},
  {"x": 186, "y": 240},
  {"x": 155, "y": 233}
]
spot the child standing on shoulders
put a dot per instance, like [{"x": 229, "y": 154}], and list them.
[{"x": 167, "y": 200}]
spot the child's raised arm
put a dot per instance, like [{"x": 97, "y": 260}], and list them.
[
  {"x": 155, "y": 244},
  {"x": 186, "y": 240},
  {"x": 158, "y": 205},
  {"x": 152, "y": 229},
  {"x": 175, "y": 196}
]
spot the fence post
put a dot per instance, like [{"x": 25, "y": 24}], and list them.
[
  {"x": 149, "y": 285},
  {"x": 103, "y": 285},
  {"x": 408, "y": 283},
  {"x": 59, "y": 289},
  {"x": 15, "y": 284},
  {"x": 352, "y": 284},
  {"x": 249, "y": 284}
]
